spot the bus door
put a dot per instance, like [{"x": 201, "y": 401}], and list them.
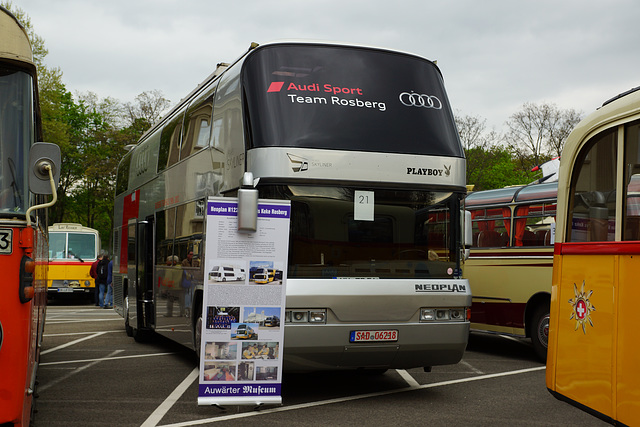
[{"x": 140, "y": 274}]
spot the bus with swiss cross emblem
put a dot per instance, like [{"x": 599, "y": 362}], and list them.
[{"x": 593, "y": 340}]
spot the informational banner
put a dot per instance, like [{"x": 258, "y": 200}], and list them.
[{"x": 244, "y": 303}]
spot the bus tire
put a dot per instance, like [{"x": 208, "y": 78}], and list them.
[{"x": 539, "y": 331}]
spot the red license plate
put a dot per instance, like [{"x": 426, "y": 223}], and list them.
[{"x": 374, "y": 336}]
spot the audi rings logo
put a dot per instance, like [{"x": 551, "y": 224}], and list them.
[{"x": 420, "y": 100}]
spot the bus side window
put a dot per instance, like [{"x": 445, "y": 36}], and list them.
[
  {"x": 198, "y": 124},
  {"x": 631, "y": 220},
  {"x": 490, "y": 227},
  {"x": 170, "y": 142},
  {"x": 592, "y": 192},
  {"x": 533, "y": 224}
]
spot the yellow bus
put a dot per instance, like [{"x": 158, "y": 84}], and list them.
[
  {"x": 511, "y": 259},
  {"x": 72, "y": 250},
  {"x": 593, "y": 346}
]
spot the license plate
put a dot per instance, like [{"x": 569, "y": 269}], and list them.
[
  {"x": 65, "y": 290},
  {"x": 373, "y": 336}
]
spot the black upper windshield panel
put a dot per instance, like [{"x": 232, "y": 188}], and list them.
[{"x": 346, "y": 98}]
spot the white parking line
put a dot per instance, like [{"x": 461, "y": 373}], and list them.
[
  {"x": 43, "y": 387},
  {"x": 190, "y": 379},
  {"x": 69, "y": 344},
  {"x": 162, "y": 410},
  {"x": 471, "y": 367},
  {"x": 133, "y": 356},
  {"x": 408, "y": 378}
]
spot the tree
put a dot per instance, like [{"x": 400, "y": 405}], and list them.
[
  {"x": 540, "y": 130},
  {"x": 147, "y": 110}
]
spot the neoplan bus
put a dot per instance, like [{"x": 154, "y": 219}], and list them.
[
  {"x": 72, "y": 250},
  {"x": 511, "y": 260},
  {"x": 363, "y": 143},
  {"x": 28, "y": 172},
  {"x": 593, "y": 340}
]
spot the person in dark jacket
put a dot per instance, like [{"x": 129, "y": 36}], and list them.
[
  {"x": 93, "y": 272},
  {"x": 102, "y": 274}
]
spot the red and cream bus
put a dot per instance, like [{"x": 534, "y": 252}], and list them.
[
  {"x": 593, "y": 339},
  {"x": 27, "y": 172},
  {"x": 511, "y": 260},
  {"x": 363, "y": 143}
]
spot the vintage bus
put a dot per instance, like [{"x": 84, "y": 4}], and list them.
[
  {"x": 72, "y": 250},
  {"x": 593, "y": 350},
  {"x": 363, "y": 143},
  {"x": 28, "y": 171},
  {"x": 511, "y": 260}
]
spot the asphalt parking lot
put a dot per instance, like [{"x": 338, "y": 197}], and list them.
[{"x": 91, "y": 373}]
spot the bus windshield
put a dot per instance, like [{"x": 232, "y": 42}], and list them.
[
  {"x": 16, "y": 134},
  {"x": 347, "y": 98},
  {"x": 77, "y": 246},
  {"x": 411, "y": 235}
]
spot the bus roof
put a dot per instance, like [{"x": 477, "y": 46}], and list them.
[
  {"x": 223, "y": 66},
  {"x": 15, "y": 38},
  {"x": 501, "y": 196}
]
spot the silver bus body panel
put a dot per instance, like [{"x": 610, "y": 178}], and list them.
[{"x": 301, "y": 163}]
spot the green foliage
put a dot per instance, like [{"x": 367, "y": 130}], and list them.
[{"x": 495, "y": 168}]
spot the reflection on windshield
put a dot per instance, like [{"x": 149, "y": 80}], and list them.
[
  {"x": 409, "y": 236},
  {"x": 72, "y": 246},
  {"x": 16, "y": 127}
]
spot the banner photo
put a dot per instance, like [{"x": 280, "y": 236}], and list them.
[{"x": 244, "y": 303}]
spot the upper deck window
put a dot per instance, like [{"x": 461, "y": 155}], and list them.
[{"x": 347, "y": 98}]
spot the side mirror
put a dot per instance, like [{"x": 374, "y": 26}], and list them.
[
  {"x": 248, "y": 204},
  {"x": 43, "y": 156}
]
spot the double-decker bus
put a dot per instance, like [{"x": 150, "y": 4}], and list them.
[
  {"x": 511, "y": 260},
  {"x": 72, "y": 250},
  {"x": 28, "y": 171},
  {"x": 593, "y": 345},
  {"x": 363, "y": 143}
]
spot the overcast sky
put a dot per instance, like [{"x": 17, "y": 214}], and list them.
[{"x": 495, "y": 55}]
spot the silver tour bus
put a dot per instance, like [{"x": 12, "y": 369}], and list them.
[{"x": 363, "y": 143}]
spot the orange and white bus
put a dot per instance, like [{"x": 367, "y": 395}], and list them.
[
  {"x": 27, "y": 172},
  {"x": 593, "y": 341},
  {"x": 72, "y": 250},
  {"x": 511, "y": 259}
]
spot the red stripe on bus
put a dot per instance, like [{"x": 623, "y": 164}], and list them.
[{"x": 597, "y": 248}]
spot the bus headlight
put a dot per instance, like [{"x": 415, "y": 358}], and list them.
[
  {"x": 427, "y": 314},
  {"x": 456, "y": 314},
  {"x": 299, "y": 316},
  {"x": 318, "y": 316},
  {"x": 306, "y": 316}
]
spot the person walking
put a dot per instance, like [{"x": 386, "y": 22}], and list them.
[
  {"x": 108, "y": 301},
  {"x": 102, "y": 273},
  {"x": 93, "y": 272}
]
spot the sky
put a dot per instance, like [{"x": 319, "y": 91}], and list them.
[{"x": 495, "y": 55}]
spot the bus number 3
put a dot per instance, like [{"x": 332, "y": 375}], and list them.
[{"x": 5, "y": 241}]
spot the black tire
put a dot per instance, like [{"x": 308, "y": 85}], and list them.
[
  {"x": 539, "y": 331},
  {"x": 141, "y": 335}
]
